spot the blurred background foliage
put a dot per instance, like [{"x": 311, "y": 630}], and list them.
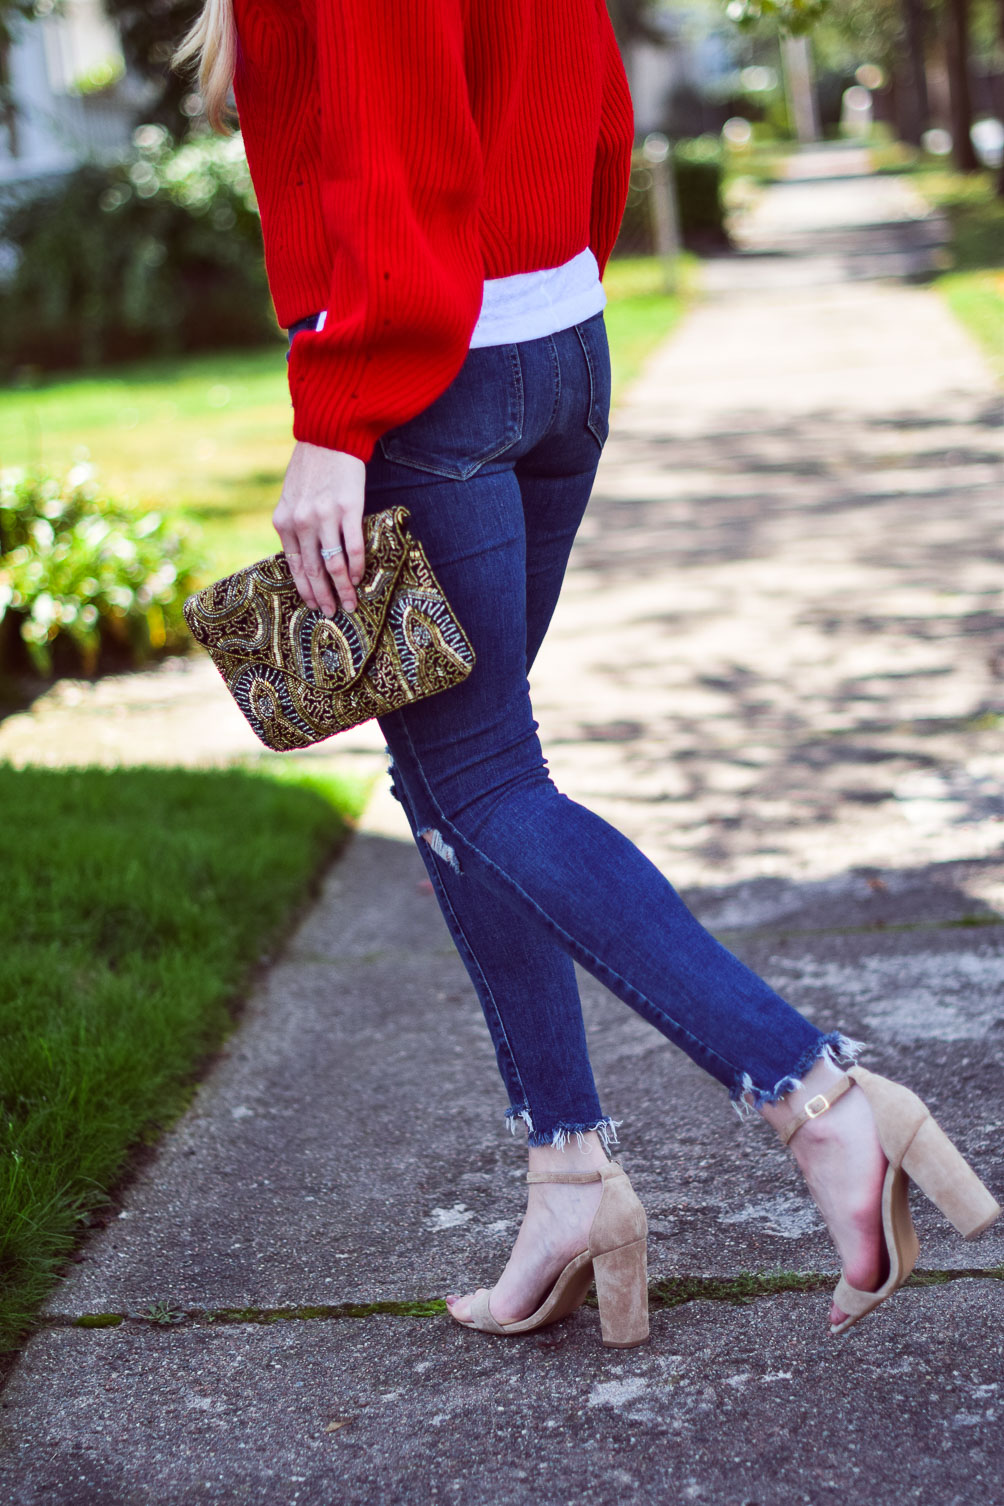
[
  {"x": 153, "y": 254},
  {"x": 150, "y": 32}
]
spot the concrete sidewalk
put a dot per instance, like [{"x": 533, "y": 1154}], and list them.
[{"x": 777, "y": 665}]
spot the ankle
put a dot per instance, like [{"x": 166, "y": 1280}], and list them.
[
  {"x": 822, "y": 1076},
  {"x": 587, "y": 1155}
]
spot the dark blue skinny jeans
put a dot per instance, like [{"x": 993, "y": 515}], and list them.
[{"x": 496, "y": 474}]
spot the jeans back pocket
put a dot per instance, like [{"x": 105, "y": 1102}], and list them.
[
  {"x": 592, "y": 335},
  {"x": 478, "y": 417}
]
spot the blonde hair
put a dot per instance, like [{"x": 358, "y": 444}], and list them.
[{"x": 213, "y": 42}]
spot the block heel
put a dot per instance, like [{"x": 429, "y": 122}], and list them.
[
  {"x": 622, "y": 1293},
  {"x": 615, "y": 1258},
  {"x": 917, "y": 1149},
  {"x": 944, "y": 1175}
]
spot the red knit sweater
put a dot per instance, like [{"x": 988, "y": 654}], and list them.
[{"x": 404, "y": 150}]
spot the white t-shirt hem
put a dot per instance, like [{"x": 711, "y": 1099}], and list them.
[{"x": 530, "y": 305}]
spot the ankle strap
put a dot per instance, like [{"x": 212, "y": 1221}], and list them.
[
  {"x": 564, "y": 1176},
  {"x": 815, "y": 1106}
]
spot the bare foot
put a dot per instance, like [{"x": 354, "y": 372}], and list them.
[
  {"x": 555, "y": 1228},
  {"x": 842, "y": 1161}
]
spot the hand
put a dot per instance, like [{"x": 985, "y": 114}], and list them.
[{"x": 321, "y": 507}]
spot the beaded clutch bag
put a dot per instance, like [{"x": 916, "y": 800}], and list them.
[{"x": 299, "y": 676}]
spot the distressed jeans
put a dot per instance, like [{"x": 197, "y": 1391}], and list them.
[{"x": 496, "y": 474}]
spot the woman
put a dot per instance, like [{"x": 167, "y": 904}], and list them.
[{"x": 441, "y": 183}]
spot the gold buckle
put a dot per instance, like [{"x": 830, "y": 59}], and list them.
[{"x": 811, "y": 1111}]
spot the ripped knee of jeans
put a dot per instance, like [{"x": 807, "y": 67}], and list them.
[
  {"x": 390, "y": 773},
  {"x": 441, "y": 848}
]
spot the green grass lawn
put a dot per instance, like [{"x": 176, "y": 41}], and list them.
[
  {"x": 973, "y": 286},
  {"x": 639, "y": 313},
  {"x": 206, "y": 434},
  {"x": 136, "y": 903},
  {"x": 212, "y": 434}
]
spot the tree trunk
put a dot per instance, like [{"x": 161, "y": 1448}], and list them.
[
  {"x": 800, "y": 88},
  {"x": 957, "y": 57},
  {"x": 1000, "y": 33},
  {"x": 914, "y": 110},
  {"x": 8, "y": 108}
]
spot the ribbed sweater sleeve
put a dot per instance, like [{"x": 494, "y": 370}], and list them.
[
  {"x": 613, "y": 158},
  {"x": 401, "y": 185}
]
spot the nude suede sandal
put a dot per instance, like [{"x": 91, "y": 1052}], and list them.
[
  {"x": 615, "y": 1258},
  {"x": 917, "y": 1149}
]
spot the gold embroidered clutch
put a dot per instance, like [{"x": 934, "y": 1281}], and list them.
[{"x": 299, "y": 676}]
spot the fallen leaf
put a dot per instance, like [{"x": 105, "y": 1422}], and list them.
[{"x": 339, "y": 1422}]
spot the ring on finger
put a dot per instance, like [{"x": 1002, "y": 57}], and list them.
[{"x": 332, "y": 553}]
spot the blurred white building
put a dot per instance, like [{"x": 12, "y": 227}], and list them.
[
  {"x": 73, "y": 98},
  {"x": 695, "y": 62}
]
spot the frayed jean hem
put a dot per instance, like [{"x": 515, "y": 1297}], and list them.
[
  {"x": 560, "y": 1136},
  {"x": 747, "y": 1098}
]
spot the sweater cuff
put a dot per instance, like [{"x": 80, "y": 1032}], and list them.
[
  {"x": 346, "y": 396},
  {"x": 318, "y": 428}
]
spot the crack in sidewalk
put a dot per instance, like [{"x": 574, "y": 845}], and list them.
[{"x": 673, "y": 1291}]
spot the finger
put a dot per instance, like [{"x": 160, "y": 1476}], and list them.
[
  {"x": 320, "y": 581},
  {"x": 338, "y": 571},
  {"x": 355, "y": 548},
  {"x": 294, "y": 560},
  {"x": 308, "y": 534}
]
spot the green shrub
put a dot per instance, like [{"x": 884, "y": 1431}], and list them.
[
  {"x": 85, "y": 581},
  {"x": 154, "y": 255},
  {"x": 698, "y": 168},
  {"x": 698, "y": 171}
]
